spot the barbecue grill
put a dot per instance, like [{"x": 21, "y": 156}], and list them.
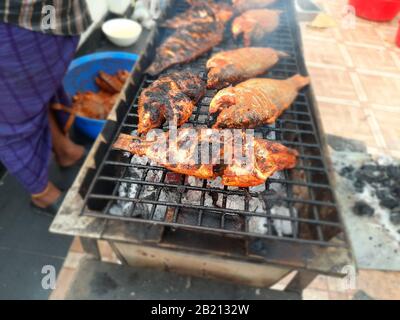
[{"x": 291, "y": 221}]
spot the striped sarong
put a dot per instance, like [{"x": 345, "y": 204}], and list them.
[{"x": 32, "y": 67}]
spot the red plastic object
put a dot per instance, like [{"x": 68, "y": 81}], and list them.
[
  {"x": 376, "y": 10},
  {"x": 398, "y": 36}
]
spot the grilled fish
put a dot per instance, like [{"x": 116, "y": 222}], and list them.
[
  {"x": 255, "y": 24},
  {"x": 243, "y": 5},
  {"x": 267, "y": 157},
  {"x": 255, "y": 102},
  {"x": 187, "y": 44},
  {"x": 172, "y": 97},
  {"x": 231, "y": 67},
  {"x": 201, "y": 12}
]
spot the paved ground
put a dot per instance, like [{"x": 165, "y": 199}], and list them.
[{"x": 25, "y": 242}]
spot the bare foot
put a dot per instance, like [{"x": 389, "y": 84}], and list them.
[
  {"x": 48, "y": 197},
  {"x": 69, "y": 155},
  {"x": 67, "y": 152}
]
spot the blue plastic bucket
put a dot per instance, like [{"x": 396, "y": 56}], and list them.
[{"x": 81, "y": 77}]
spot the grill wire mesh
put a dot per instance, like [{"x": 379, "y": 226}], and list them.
[{"x": 295, "y": 205}]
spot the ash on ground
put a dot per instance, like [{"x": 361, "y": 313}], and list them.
[{"x": 377, "y": 191}]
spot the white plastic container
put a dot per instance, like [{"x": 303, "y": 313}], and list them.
[{"x": 122, "y": 32}]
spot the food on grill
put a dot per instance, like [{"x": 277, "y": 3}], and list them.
[
  {"x": 181, "y": 155},
  {"x": 201, "y": 12},
  {"x": 255, "y": 24},
  {"x": 172, "y": 97},
  {"x": 187, "y": 44},
  {"x": 97, "y": 105},
  {"x": 230, "y": 67},
  {"x": 243, "y": 5},
  {"x": 255, "y": 102}
]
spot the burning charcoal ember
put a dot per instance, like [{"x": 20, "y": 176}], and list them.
[
  {"x": 116, "y": 210},
  {"x": 122, "y": 208},
  {"x": 256, "y": 205},
  {"x": 258, "y": 189},
  {"x": 395, "y": 216},
  {"x": 361, "y": 208},
  {"x": 160, "y": 211},
  {"x": 137, "y": 173},
  {"x": 213, "y": 199},
  {"x": 203, "y": 118},
  {"x": 271, "y": 198},
  {"x": 192, "y": 197},
  {"x": 154, "y": 176},
  {"x": 235, "y": 202},
  {"x": 173, "y": 178},
  {"x": 194, "y": 182},
  {"x": 283, "y": 227},
  {"x": 215, "y": 184},
  {"x": 258, "y": 225}
]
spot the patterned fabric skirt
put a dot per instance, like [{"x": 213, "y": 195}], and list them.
[{"x": 32, "y": 67}]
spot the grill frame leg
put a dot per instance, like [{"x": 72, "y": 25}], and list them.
[
  {"x": 91, "y": 248},
  {"x": 301, "y": 281}
]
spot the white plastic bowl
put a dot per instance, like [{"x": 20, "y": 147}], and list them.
[{"x": 122, "y": 32}]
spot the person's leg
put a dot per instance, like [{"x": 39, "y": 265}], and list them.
[
  {"x": 47, "y": 197},
  {"x": 32, "y": 67},
  {"x": 67, "y": 153}
]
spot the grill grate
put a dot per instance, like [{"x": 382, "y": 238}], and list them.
[{"x": 296, "y": 205}]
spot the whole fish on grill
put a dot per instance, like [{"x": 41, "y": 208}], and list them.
[
  {"x": 265, "y": 157},
  {"x": 255, "y": 24},
  {"x": 172, "y": 97},
  {"x": 188, "y": 43},
  {"x": 230, "y": 67},
  {"x": 243, "y": 5},
  {"x": 255, "y": 102},
  {"x": 201, "y": 12}
]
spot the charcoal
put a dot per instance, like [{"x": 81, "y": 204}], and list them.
[
  {"x": 395, "y": 191},
  {"x": 359, "y": 185},
  {"x": 371, "y": 173},
  {"x": 361, "y": 208},
  {"x": 271, "y": 198},
  {"x": 393, "y": 172},
  {"x": 395, "y": 216},
  {"x": 347, "y": 171},
  {"x": 389, "y": 203}
]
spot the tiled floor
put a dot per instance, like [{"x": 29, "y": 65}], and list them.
[
  {"x": 356, "y": 78},
  {"x": 376, "y": 284},
  {"x": 25, "y": 242}
]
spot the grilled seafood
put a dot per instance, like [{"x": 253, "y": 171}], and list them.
[
  {"x": 255, "y": 102},
  {"x": 231, "y": 67},
  {"x": 190, "y": 40},
  {"x": 243, "y": 5},
  {"x": 265, "y": 158},
  {"x": 201, "y": 12},
  {"x": 172, "y": 97},
  {"x": 255, "y": 24}
]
